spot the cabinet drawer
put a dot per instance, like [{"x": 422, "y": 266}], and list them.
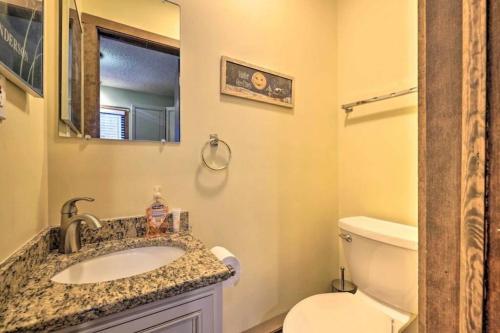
[{"x": 192, "y": 317}]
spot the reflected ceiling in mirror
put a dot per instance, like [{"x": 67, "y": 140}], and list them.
[{"x": 131, "y": 64}]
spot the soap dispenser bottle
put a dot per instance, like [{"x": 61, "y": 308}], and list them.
[{"x": 156, "y": 215}]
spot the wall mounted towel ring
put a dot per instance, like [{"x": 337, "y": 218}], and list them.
[{"x": 214, "y": 142}]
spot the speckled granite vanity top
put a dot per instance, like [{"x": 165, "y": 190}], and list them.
[{"x": 38, "y": 304}]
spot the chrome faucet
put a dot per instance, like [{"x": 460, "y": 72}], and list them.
[{"x": 70, "y": 241}]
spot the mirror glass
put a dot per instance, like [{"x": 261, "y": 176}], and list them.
[{"x": 120, "y": 67}]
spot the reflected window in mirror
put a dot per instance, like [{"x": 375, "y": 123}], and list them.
[
  {"x": 114, "y": 122},
  {"x": 131, "y": 69},
  {"x": 143, "y": 77}
]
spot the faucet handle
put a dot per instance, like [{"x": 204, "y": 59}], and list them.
[{"x": 69, "y": 207}]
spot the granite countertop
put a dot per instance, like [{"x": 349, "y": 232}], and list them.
[{"x": 42, "y": 305}]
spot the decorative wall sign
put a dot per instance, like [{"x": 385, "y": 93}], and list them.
[
  {"x": 249, "y": 81},
  {"x": 21, "y": 43}
]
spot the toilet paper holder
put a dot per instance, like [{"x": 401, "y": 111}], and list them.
[
  {"x": 231, "y": 262},
  {"x": 231, "y": 269}
]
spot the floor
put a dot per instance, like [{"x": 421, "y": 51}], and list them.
[{"x": 273, "y": 325}]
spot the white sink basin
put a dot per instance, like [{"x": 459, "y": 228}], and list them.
[{"x": 119, "y": 265}]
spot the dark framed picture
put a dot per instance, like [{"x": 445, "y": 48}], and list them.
[
  {"x": 245, "y": 80},
  {"x": 21, "y": 43}
]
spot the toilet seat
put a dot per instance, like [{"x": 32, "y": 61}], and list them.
[{"x": 344, "y": 312}]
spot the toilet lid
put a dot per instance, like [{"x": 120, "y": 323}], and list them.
[{"x": 338, "y": 312}]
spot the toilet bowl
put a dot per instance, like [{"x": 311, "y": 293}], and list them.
[
  {"x": 382, "y": 259},
  {"x": 344, "y": 312}
]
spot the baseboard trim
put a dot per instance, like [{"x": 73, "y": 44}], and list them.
[{"x": 273, "y": 325}]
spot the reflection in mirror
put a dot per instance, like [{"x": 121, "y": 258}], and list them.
[
  {"x": 146, "y": 100},
  {"x": 70, "y": 71},
  {"x": 131, "y": 62}
]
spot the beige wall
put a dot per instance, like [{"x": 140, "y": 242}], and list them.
[
  {"x": 23, "y": 169},
  {"x": 377, "y": 54},
  {"x": 276, "y": 205},
  {"x": 23, "y": 162}
]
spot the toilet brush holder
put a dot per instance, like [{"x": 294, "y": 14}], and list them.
[
  {"x": 348, "y": 287},
  {"x": 342, "y": 285}
]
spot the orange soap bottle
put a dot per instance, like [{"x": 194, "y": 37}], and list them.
[{"x": 156, "y": 215}]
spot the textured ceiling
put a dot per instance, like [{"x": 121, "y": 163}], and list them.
[{"x": 132, "y": 67}]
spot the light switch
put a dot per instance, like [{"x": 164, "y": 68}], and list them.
[{"x": 3, "y": 98}]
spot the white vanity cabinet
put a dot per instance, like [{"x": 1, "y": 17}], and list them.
[{"x": 199, "y": 311}]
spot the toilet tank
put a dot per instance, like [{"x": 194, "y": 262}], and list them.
[{"x": 382, "y": 260}]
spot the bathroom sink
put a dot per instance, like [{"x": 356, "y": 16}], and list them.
[{"x": 119, "y": 265}]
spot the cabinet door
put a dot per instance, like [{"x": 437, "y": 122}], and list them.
[
  {"x": 192, "y": 317},
  {"x": 186, "y": 324}
]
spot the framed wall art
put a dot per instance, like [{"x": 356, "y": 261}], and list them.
[
  {"x": 245, "y": 80},
  {"x": 21, "y": 43}
]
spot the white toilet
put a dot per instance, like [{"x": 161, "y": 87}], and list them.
[{"x": 381, "y": 257}]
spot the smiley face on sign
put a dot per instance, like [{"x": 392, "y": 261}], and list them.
[{"x": 259, "y": 81}]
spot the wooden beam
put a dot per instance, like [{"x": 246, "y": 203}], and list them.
[
  {"x": 492, "y": 317},
  {"x": 422, "y": 152},
  {"x": 452, "y": 68},
  {"x": 91, "y": 79},
  {"x": 473, "y": 165},
  {"x": 440, "y": 88}
]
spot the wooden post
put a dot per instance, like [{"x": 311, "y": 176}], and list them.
[
  {"x": 452, "y": 150},
  {"x": 473, "y": 165},
  {"x": 493, "y": 163}
]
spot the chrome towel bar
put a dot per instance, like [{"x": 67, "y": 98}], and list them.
[{"x": 349, "y": 107}]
